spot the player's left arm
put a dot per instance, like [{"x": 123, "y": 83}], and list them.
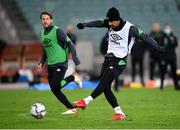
[
  {"x": 138, "y": 33},
  {"x": 65, "y": 42}
]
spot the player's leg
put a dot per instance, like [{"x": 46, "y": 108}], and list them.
[
  {"x": 72, "y": 78},
  {"x": 56, "y": 82},
  {"x": 173, "y": 71},
  {"x": 141, "y": 71},
  {"x": 119, "y": 115},
  {"x": 111, "y": 65},
  {"x": 57, "y": 77},
  {"x": 113, "y": 70},
  {"x": 152, "y": 68},
  {"x": 82, "y": 103},
  {"x": 77, "y": 79},
  {"x": 163, "y": 68},
  {"x": 116, "y": 84},
  {"x": 133, "y": 69},
  {"x": 105, "y": 81}
]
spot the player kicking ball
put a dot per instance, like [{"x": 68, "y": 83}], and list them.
[
  {"x": 56, "y": 46},
  {"x": 121, "y": 39}
]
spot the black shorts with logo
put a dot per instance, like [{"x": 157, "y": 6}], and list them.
[
  {"x": 116, "y": 65},
  {"x": 56, "y": 75}
]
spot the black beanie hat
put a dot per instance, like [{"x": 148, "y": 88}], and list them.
[{"x": 113, "y": 14}]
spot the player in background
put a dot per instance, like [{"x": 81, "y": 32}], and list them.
[
  {"x": 121, "y": 39},
  {"x": 137, "y": 59},
  {"x": 72, "y": 36},
  {"x": 70, "y": 33},
  {"x": 56, "y": 46},
  {"x": 169, "y": 57},
  {"x": 155, "y": 58}
]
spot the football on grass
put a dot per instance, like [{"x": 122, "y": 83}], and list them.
[{"x": 38, "y": 110}]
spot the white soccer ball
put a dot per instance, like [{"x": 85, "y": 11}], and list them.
[{"x": 38, "y": 110}]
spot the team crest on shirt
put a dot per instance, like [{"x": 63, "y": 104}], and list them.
[{"x": 47, "y": 42}]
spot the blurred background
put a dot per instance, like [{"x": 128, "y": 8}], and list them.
[{"x": 20, "y": 48}]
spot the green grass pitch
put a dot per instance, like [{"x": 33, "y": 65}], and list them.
[{"x": 146, "y": 108}]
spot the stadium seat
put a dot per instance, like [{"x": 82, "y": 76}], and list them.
[
  {"x": 140, "y": 12},
  {"x": 11, "y": 57},
  {"x": 31, "y": 55}
]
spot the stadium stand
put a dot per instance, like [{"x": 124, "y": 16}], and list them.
[
  {"x": 11, "y": 57},
  {"x": 24, "y": 30},
  {"x": 17, "y": 57},
  {"x": 21, "y": 56},
  {"x": 10, "y": 62},
  {"x": 140, "y": 12},
  {"x": 24, "y": 15},
  {"x": 31, "y": 55}
]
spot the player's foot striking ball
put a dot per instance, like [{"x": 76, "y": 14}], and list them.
[
  {"x": 56, "y": 46},
  {"x": 122, "y": 35}
]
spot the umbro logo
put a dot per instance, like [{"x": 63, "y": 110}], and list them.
[{"x": 115, "y": 37}]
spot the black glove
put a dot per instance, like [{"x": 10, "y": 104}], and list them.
[{"x": 80, "y": 26}]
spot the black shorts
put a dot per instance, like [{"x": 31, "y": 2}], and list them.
[
  {"x": 116, "y": 65},
  {"x": 55, "y": 75}
]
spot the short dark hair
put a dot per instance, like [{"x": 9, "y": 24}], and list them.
[{"x": 46, "y": 13}]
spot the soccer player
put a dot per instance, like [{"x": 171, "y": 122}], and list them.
[
  {"x": 121, "y": 39},
  {"x": 103, "y": 50},
  {"x": 56, "y": 46}
]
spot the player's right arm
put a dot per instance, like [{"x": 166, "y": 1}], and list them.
[
  {"x": 138, "y": 33},
  {"x": 96, "y": 23},
  {"x": 42, "y": 61}
]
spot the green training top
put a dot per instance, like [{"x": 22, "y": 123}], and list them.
[{"x": 54, "y": 52}]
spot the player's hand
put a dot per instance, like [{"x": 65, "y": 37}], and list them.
[
  {"x": 80, "y": 26},
  {"x": 40, "y": 67}
]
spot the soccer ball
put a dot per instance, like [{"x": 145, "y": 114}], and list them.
[{"x": 38, "y": 110}]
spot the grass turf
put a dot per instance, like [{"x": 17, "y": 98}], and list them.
[{"x": 146, "y": 108}]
